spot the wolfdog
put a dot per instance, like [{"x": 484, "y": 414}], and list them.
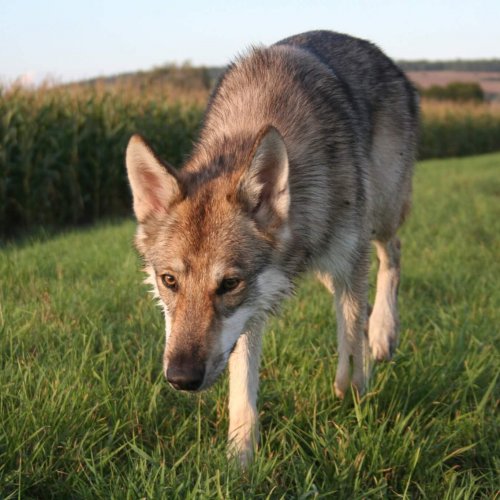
[{"x": 304, "y": 158}]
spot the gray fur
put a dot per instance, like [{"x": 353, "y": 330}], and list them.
[
  {"x": 331, "y": 96},
  {"x": 340, "y": 120}
]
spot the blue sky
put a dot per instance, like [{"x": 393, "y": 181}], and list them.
[{"x": 68, "y": 40}]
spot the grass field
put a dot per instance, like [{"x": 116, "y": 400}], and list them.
[{"x": 85, "y": 412}]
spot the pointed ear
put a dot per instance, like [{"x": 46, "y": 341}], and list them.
[
  {"x": 154, "y": 184},
  {"x": 264, "y": 185}
]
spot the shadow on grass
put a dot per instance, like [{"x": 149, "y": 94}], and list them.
[{"x": 21, "y": 238}]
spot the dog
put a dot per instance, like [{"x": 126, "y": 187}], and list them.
[{"x": 304, "y": 158}]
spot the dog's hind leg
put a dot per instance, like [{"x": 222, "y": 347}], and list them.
[
  {"x": 384, "y": 320},
  {"x": 351, "y": 294},
  {"x": 243, "y": 387}
]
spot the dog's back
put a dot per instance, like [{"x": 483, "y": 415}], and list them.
[
  {"x": 385, "y": 105},
  {"x": 346, "y": 112}
]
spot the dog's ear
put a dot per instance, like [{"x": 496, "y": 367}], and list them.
[
  {"x": 155, "y": 185},
  {"x": 264, "y": 185}
]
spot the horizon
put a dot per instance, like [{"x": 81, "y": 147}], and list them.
[
  {"x": 26, "y": 80},
  {"x": 67, "y": 43}
]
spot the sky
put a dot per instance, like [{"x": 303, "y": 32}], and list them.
[{"x": 66, "y": 40}]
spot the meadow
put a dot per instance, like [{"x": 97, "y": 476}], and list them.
[{"x": 85, "y": 411}]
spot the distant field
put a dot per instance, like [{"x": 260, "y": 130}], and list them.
[
  {"x": 489, "y": 80},
  {"x": 62, "y": 149},
  {"x": 85, "y": 412},
  {"x": 198, "y": 81}
]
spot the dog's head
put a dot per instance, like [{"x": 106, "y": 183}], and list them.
[{"x": 211, "y": 240}]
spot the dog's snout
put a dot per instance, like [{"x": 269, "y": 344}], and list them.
[{"x": 185, "y": 377}]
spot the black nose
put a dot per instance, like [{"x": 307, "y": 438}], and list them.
[{"x": 185, "y": 377}]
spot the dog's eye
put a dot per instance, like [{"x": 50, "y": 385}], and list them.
[
  {"x": 228, "y": 285},
  {"x": 169, "y": 281}
]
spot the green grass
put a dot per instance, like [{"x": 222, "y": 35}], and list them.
[{"x": 85, "y": 412}]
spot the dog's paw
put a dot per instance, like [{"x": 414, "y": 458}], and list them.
[
  {"x": 242, "y": 456},
  {"x": 383, "y": 349},
  {"x": 340, "y": 391},
  {"x": 243, "y": 443},
  {"x": 383, "y": 338},
  {"x": 383, "y": 333},
  {"x": 341, "y": 387},
  {"x": 241, "y": 452}
]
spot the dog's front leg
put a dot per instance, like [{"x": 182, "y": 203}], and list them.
[{"x": 243, "y": 387}]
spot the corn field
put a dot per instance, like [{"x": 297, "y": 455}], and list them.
[
  {"x": 62, "y": 150},
  {"x": 62, "y": 153},
  {"x": 451, "y": 129}
]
